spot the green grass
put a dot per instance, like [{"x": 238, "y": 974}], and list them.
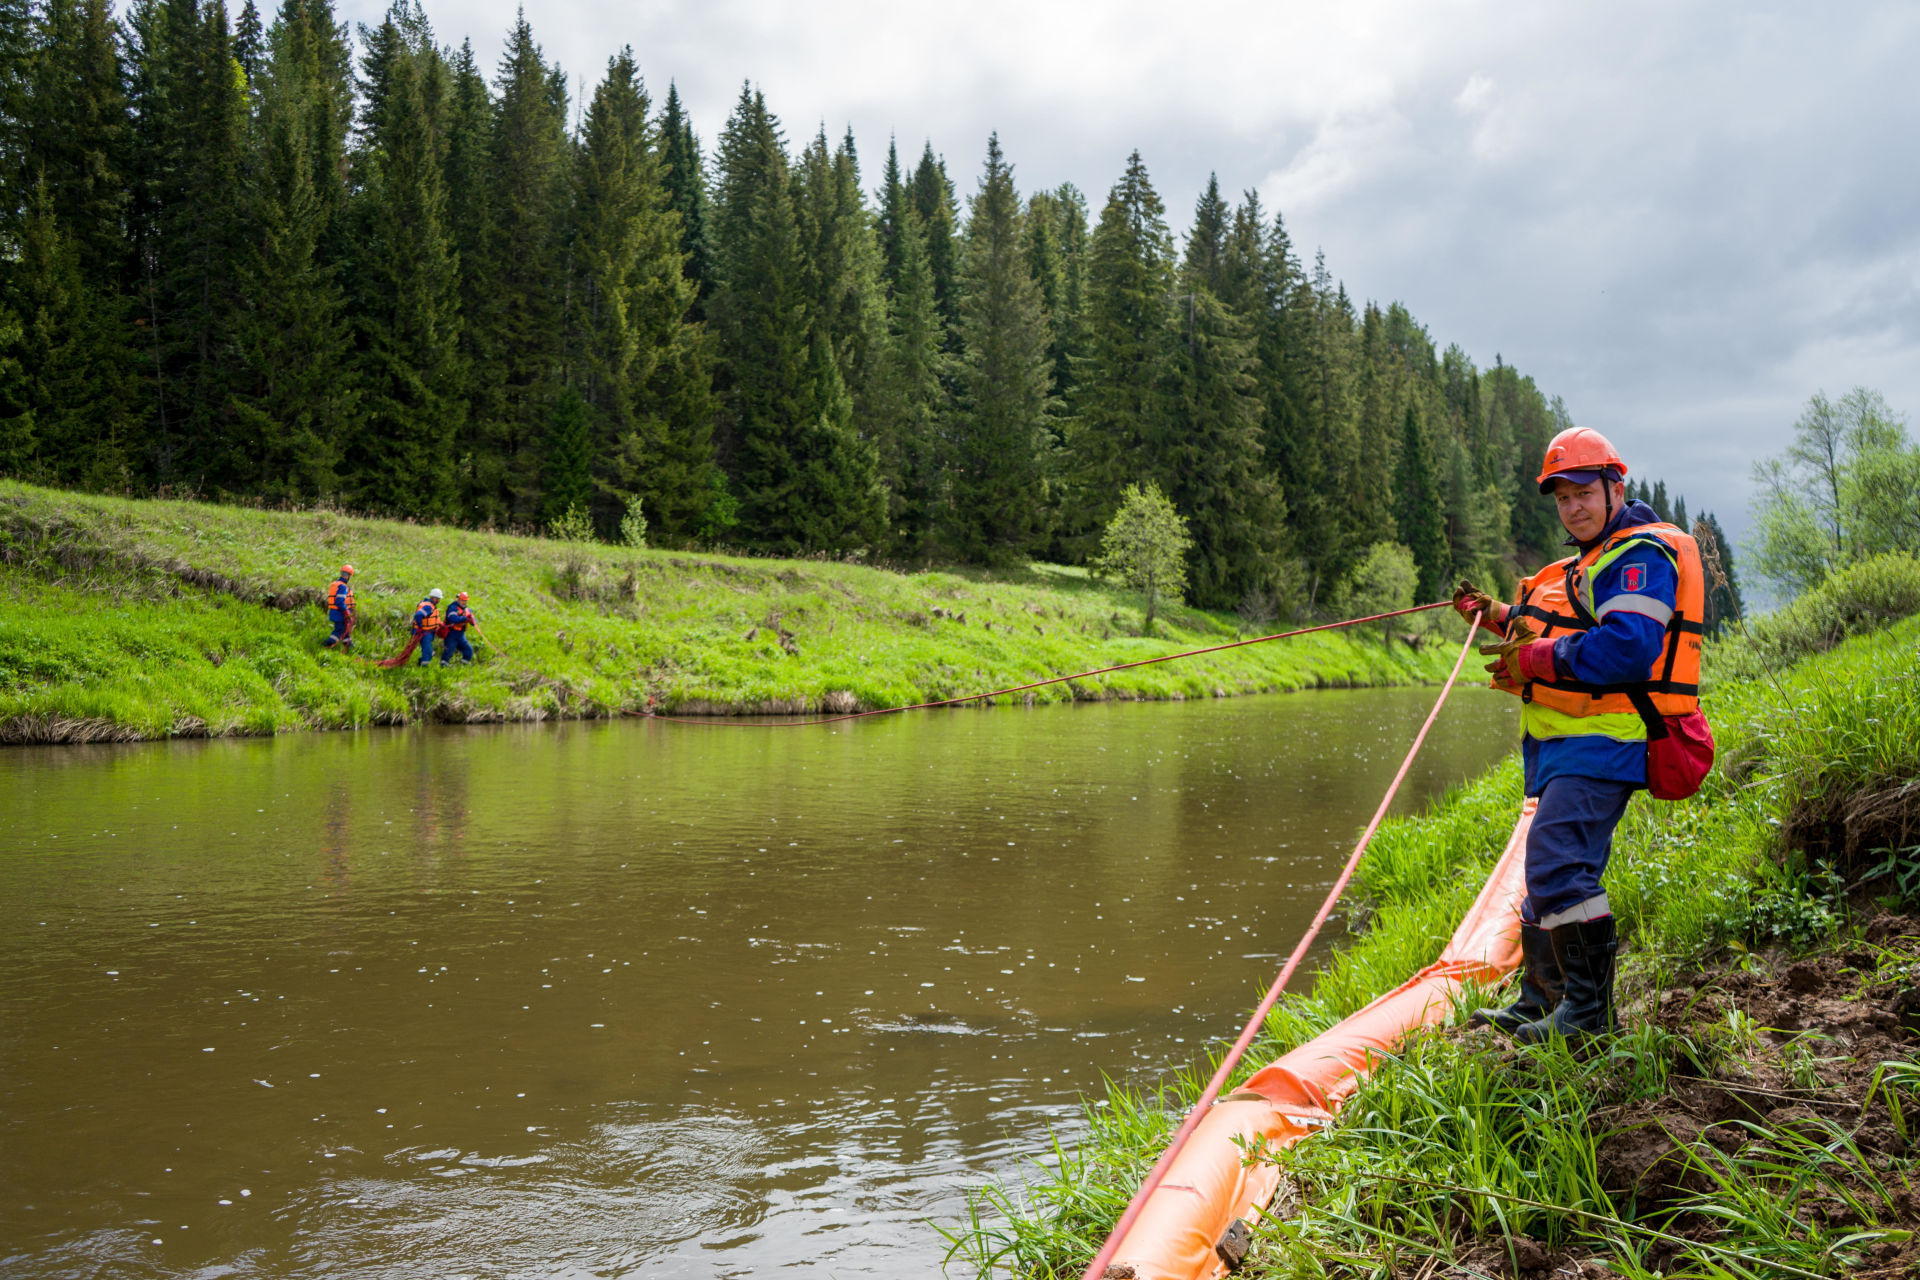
[
  {"x": 142, "y": 619},
  {"x": 1709, "y": 881}
]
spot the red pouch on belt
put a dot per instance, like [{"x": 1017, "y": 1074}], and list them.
[{"x": 1679, "y": 759}]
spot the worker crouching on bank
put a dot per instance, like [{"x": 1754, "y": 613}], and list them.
[{"x": 1603, "y": 650}]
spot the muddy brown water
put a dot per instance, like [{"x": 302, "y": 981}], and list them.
[{"x": 613, "y": 999}]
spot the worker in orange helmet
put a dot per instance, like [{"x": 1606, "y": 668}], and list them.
[
  {"x": 339, "y": 604},
  {"x": 1601, "y": 648},
  {"x": 454, "y": 640}
]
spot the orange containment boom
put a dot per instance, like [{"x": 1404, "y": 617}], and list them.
[{"x": 1210, "y": 1183}]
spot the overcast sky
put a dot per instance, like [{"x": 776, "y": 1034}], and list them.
[{"x": 1682, "y": 218}]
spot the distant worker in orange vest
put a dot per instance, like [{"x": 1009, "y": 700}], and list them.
[
  {"x": 459, "y": 618},
  {"x": 1599, "y": 647},
  {"x": 339, "y": 605},
  {"x": 426, "y": 624}
]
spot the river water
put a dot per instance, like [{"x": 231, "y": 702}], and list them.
[{"x": 612, "y": 999}]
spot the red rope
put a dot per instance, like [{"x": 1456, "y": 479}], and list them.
[
  {"x": 722, "y": 722},
  {"x": 1227, "y": 1064}
]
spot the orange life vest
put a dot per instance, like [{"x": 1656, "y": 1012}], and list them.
[
  {"x": 340, "y": 595},
  {"x": 424, "y": 619},
  {"x": 1558, "y": 601}
]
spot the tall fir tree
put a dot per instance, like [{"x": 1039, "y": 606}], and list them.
[
  {"x": 16, "y": 109},
  {"x": 685, "y": 177},
  {"x": 910, "y": 401},
  {"x": 468, "y": 227},
  {"x": 76, "y": 133},
  {"x": 406, "y": 286},
  {"x": 1210, "y": 260},
  {"x": 846, "y": 299},
  {"x": 308, "y": 37},
  {"x": 933, "y": 200},
  {"x": 1417, "y": 510},
  {"x": 642, "y": 368},
  {"x": 839, "y": 504},
  {"x": 890, "y": 223},
  {"x": 1066, "y": 313},
  {"x": 1218, "y": 475},
  {"x": 999, "y": 434},
  {"x": 758, "y": 308},
  {"x": 77, "y": 370},
  {"x": 189, "y": 117},
  {"x": 516, "y": 317},
  {"x": 1121, "y": 432},
  {"x": 293, "y": 400}
]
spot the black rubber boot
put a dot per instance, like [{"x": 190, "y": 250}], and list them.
[
  {"x": 1586, "y": 951},
  {"x": 1540, "y": 985}
]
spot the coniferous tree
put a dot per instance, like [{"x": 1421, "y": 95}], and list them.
[
  {"x": 76, "y": 133},
  {"x": 76, "y": 368},
  {"x": 806, "y": 481},
  {"x": 909, "y": 401},
  {"x": 567, "y": 482},
  {"x": 293, "y": 402},
  {"x": 997, "y": 477},
  {"x": 1122, "y": 425},
  {"x": 468, "y": 227},
  {"x": 1417, "y": 510},
  {"x": 1209, "y": 249},
  {"x": 16, "y": 410},
  {"x": 16, "y": 97},
  {"x": 1218, "y": 472},
  {"x": 406, "y": 305},
  {"x": 249, "y": 41},
  {"x": 896, "y": 208},
  {"x": 189, "y": 115},
  {"x": 516, "y": 316},
  {"x": 642, "y": 367},
  {"x": 311, "y": 44},
  {"x": 845, "y": 295},
  {"x": 840, "y": 505},
  {"x": 933, "y": 200},
  {"x": 1327, "y": 440},
  {"x": 1066, "y": 313},
  {"x": 686, "y": 182}
]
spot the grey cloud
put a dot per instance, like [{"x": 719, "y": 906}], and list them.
[{"x": 1682, "y": 218}]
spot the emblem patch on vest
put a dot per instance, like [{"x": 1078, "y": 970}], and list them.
[{"x": 1633, "y": 577}]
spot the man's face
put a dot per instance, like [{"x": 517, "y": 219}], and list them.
[{"x": 1583, "y": 507}]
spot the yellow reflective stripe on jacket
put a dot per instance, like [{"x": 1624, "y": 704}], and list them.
[{"x": 1542, "y": 722}]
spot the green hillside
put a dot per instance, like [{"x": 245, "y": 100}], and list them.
[{"x": 124, "y": 619}]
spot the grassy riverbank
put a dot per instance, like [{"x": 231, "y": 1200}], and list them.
[
  {"x": 122, "y": 620},
  {"x": 1757, "y": 1116}
]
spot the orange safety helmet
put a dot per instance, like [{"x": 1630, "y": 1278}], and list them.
[
  {"x": 461, "y": 596},
  {"x": 348, "y": 569},
  {"x": 1582, "y": 455}
]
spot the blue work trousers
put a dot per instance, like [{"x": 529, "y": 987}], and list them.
[
  {"x": 426, "y": 647},
  {"x": 455, "y": 642},
  {"x": 338, "y": 617},
  {"x": 1568, "y": 847}
]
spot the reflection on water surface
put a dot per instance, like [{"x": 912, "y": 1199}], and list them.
[{"x": 593, "y": 999}]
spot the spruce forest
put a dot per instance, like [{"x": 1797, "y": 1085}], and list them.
[{"x": 266, "y": 259}]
